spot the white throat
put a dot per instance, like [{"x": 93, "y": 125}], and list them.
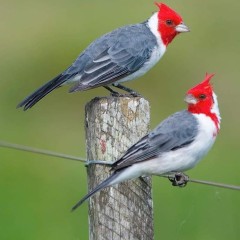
[{"x": 153, "y": 26}]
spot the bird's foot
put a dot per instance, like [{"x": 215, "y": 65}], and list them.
[
  {"x": 179, "y": 179},
  {"x": 91, "y": 162}
]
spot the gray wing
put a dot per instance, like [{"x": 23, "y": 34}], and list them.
[
  {"x": 175, "y": 132},
  {"x": 112, "y": 56}
]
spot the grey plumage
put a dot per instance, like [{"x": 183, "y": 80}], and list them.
[
  {"x": 111, "y": 57},
  {"x": 175, "y": 132}
]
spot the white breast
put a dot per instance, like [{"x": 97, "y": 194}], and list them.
[
  {"x": 201, "y": 145},
  {"x": 179, "y": 160},
  {"x": 155, "y": 57},
  {"x": 157, "y": 52},
  {"x": 187, "y": 157}
]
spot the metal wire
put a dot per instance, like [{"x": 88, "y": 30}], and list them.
[
  {"x": 221, "y": 185},
  {"x": 40, "y": 151},
  {"x": 19, "y": 147}
]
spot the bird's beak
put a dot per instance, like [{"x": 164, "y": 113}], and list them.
[
  {"x": 190, "y": 99},
  {"x": 182, "y": 28}
]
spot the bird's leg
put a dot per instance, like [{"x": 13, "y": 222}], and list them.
[
  {"x": 179, "y": 179},
  {"x": 126, "y": 89},
  {"x": 106, "y": 163},
  {"x": 113, "y": 93}
]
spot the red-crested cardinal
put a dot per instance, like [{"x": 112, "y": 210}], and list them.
[
  {"x": 121, "y": 55},
  {"x": 175, "y": 145}
]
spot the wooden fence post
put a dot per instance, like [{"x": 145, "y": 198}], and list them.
[{"x": 124, "y": 211}]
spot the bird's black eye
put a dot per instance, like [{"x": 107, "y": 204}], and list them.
[
  {"x": 169, "y": 22},
  {"x": 202, "y": 96}
]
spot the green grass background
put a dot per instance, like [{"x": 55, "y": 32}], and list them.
[{"x": 38, "y": 40}]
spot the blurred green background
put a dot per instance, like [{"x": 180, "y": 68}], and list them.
[{"x": 38, "y": 40}]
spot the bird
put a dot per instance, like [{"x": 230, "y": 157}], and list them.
[
  {"x": 177, "y": 144},
  {"x": 122, "y": 55}
]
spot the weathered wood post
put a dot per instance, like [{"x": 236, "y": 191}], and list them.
[{"x": 125, "y": 210}]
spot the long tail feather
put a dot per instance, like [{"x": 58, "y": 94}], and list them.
[
  {"x": 36, "y": 96},
  {"x": 104, "y": 184}
]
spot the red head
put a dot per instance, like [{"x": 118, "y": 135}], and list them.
[
  {"x": 202, "y": 100},
  {"x": 170, "y": 23}
]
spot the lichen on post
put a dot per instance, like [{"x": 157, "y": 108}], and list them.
[{"x": 123, "y": 211}]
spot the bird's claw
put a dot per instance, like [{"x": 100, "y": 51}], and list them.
[{"x": 179, "y": 179}]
